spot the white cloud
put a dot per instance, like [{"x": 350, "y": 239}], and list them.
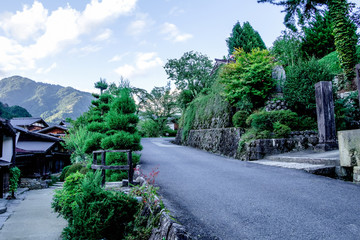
[
  {"x": 105, "y": 35},
  {"x": 142, "y": 24},
  {"x": 26, "y": 24},
  {"x": 143, "y": 62},
  {"x": 52, "y": 32},
  {"x": 126, "y": 70},
  {"x": 176, "y": 11},
  {"x": 46, "y": 70},
  {"x": 118, "y": 57},
  {"x": 173, "y": 34}
]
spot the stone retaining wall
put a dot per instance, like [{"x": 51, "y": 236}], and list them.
[
  {"x": 225, "y": 141},
  {"x": 297, "y": 141}
]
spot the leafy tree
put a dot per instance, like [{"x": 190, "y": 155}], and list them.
[
  {"x": 248, "y": 81},
  {"x": 102, "y": 85},
  {"x": 244, "y": 37},
  {"x": 286, "y": 48},
  {"x": 318, "y": 40},
  {"x": 160, "y": 106},
  {"x": 344, "y": 28},
  {"x": 191, "y": 72}
]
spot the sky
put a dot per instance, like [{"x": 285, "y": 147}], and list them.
[{"x": 76, "y": 42}]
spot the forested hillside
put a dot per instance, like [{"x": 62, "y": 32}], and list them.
[{"x": 51, "y": 102}]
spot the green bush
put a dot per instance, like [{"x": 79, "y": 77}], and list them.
[
  {"x": 64, "y": 199},
  {"x": 148, "y": 128},
  {"x": 239, "y": 119},
  {"x": 63, "y": 173},
  {"x": 249, "y": 78},
  {"x": 347, "y": 112},
  {"x": 168, "y": 132},
  {"x": 76, "y": 167},
  {"x": 14, "y": 180},
  {"x": 100, "y": 214},
  {"x": 261, "y": 121},
  {"x": 299, "y": 87},
  {"x": 281, "y": 130}
]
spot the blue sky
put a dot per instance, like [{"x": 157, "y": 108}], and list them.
[{"x": 75, "y": 42}]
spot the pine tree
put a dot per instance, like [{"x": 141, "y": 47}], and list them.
[
  {"x": 244, "y": 37},
  {"x": 318, "y": 40}
]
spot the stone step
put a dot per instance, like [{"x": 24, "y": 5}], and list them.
[
  {"x": 318, "y": 169},
  {"x": 330, "y": 158}
]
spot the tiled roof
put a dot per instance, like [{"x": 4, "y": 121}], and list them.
[
  {"x": 27, "y": 121},
  {"x": 34, "y": 146}
]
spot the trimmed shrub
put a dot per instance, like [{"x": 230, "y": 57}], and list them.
[
  {"x": 299, "y": 87},
  {"x": 261, "y": 121},
  {"x": 93, "y": 143},
  {"x": 100, "y": 214},
  {"x": 148, "y": 128},
  {"x": 122, "y": 140},
  {"x": 239, "y": 119},
  {"x": 76, "y": 167},
  {"x": 281, "y": 130}
]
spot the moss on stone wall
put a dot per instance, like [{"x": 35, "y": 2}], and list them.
[{"x": 209, "y": 110}]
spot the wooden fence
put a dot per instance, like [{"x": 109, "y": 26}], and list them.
[{"x": 104, "y": 167}]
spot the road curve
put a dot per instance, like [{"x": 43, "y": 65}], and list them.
[{"x": 220, "y": 198}]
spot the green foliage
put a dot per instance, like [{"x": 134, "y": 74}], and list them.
[
  {"x": 98, "y": 127},
  {"x": 206, "y": 111},
  {"x": 100, "y": 214},
  {"x": 345, "y": 37},
  {"x": 64, "y": 199},
  {"x": 249, "y": 79},
  {"x": 299, "y": 87},
  {"x": 281, "y": 130},
  {"x": 239, "y": 119},
  {"x": 93, "y": 142},
  {"x": 191, "y": 72},
  {"x": 347, "y": 112},
  {"x": 160, "y": 107},
  {"x": 63, "y": 173},
  {"x": 263, "y": 120},
  {"x": 318, "y": 40},
  {"x": 75, "y": 143},
  {"x": 122, "y": 140},
  {"x": 14, "y": 180},
  {"x": 102, "y": 85},
  {"x": 76, "y": 167},
  {"x": 331, "y": 61},
  {"x": 149, "y": 128},
  {"x": 286, "y": 48},
  {"x": 244, "y": 37}
]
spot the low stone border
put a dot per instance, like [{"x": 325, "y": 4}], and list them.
[{"x": 167, "y": 229}]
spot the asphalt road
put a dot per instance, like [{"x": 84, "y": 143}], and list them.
[{"x": 221, "y": 198}]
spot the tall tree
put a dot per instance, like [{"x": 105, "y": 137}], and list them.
[
  {"x": 318, "y": 40},
  {"x": 344, "y": 28},
  {"x": 244, "y": 37},
  {"x": 191, "y": 72},
  {"x": 102, "y": 85},
  {"x": 160, "y": 106}
]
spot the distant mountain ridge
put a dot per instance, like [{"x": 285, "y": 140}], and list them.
[{"x": 51, "y": 102}]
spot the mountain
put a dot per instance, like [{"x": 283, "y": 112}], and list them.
[
  {"x": 51, "y": 102},
  {"x": 13, "y": 111}
]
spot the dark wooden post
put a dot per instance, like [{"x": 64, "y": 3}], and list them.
[
  {"x": 325, "y": 116},
  {"x": 357, "y": 70},
  {"x": 103, "y": 163},
  {"x": 131, "y": 169}
]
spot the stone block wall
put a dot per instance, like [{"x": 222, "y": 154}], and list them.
[
  {"x": 297, "y": 141},
  {"x": 349, "y": 150},
  {"x": 225, "y": 141}
]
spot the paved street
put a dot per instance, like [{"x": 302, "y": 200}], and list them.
[
  {"x": 221, "y": 198},
  {"x": 33, "y": 218}
]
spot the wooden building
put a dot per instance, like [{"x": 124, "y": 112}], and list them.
[
  {"x": 55, "y": 131},
  {"x": 29, "y": 123},
  {"x": 38, "y": 154},
  {"x": 7, "y": 153}
]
